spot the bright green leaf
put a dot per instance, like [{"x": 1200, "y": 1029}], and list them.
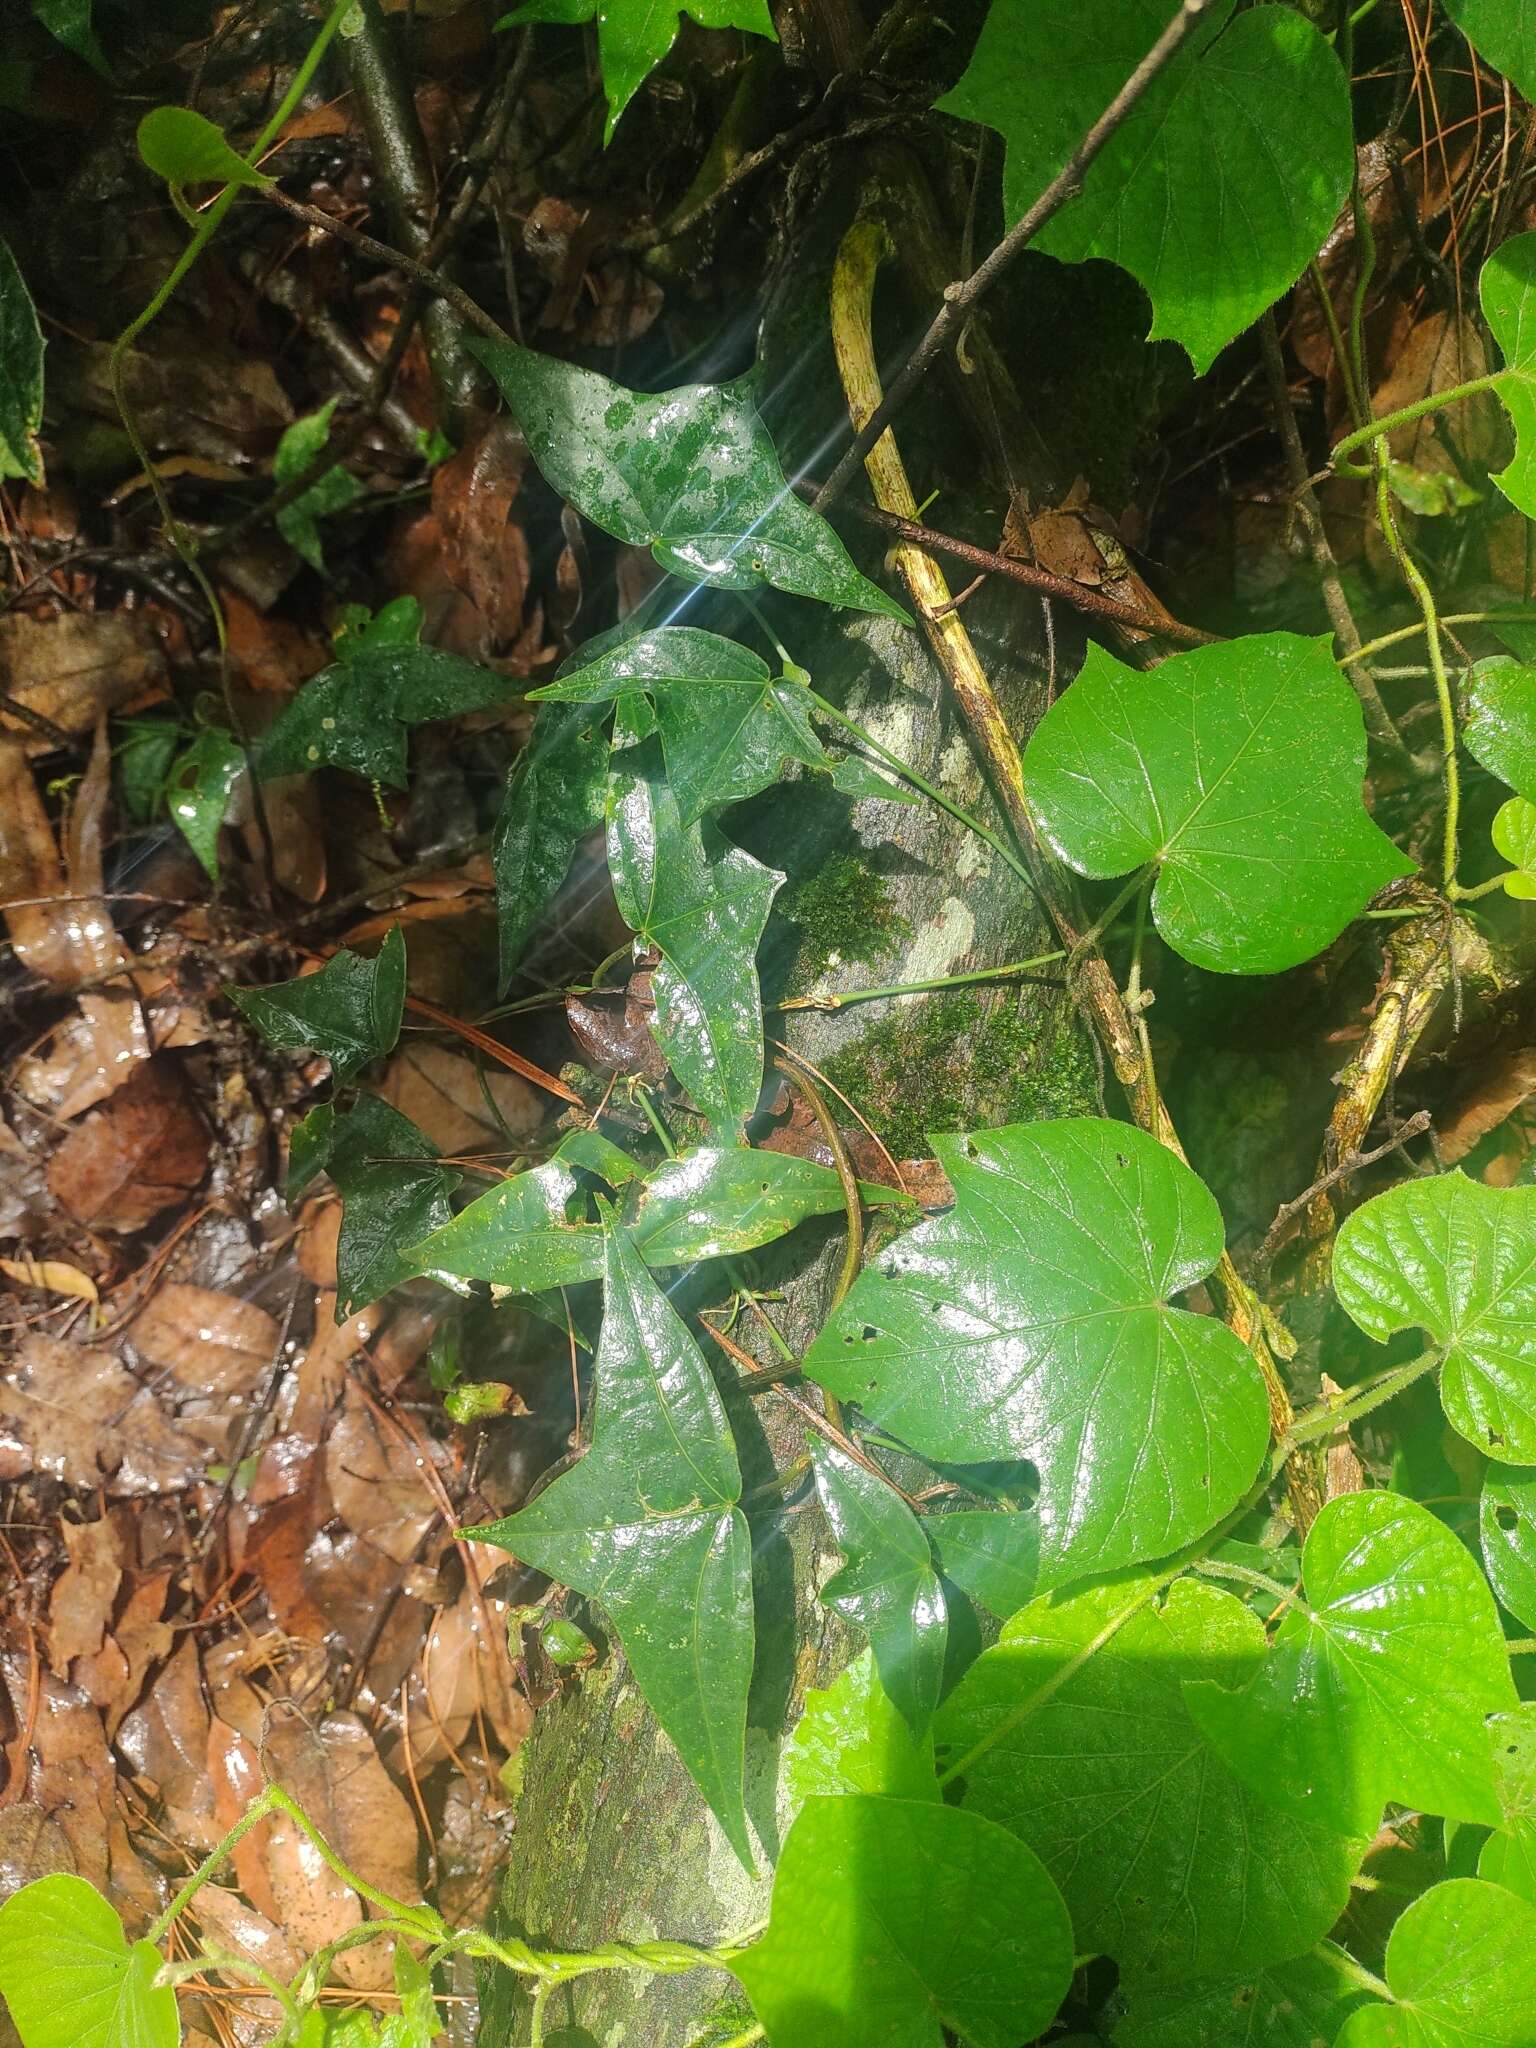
[
  {"x": 186, "y": 149},
  {"x": 70, "y": 22},
  {"x": 393, "y": 1194},
  {"x": 333, "y": 491},
  {"x": 1514, "y": 836},
  {"x": 356, "y": 713},
  {"x": 1508, "y": 1857},
  {"x": 634, "y": 36},
  {"x": 893, "y": 1919},
  {"x": 1221, "y": 184},
  {"x": 990, "y": 1553},
  {"x": 888, "y": 1586},
  {"x": 1457, "y": 1259},
  {"x": 1500, "y": 729},
  {"x": 1299, "y": 2004},
  {"x": 396, "y": 624},
  {"x": 350, "y": 1010},
  {"x": 1237, "y": 771},
  {"x": 1507, "y": 1523},
  {"x": 554, "y": 799},
  {"x": 1032, "y": 1322},
  {"x": 198, "y": 791},
  {"x": 1379, "y": 1685},
  {"x": 21, "y": 374},
  {"x": 309, "y": 1149},
  {"x": 1503, "y": 33},
  {"x": 690, "y": 474},
  {"x": 1461, "y": 1964},
  {"x": 852, "y": 1738},
  {"x": 1073, "y": 1732},
  {"x": 69, "y": 1976},
  {"x": 1508, "y": 291},
  {"x": 648, "y": 1525}
]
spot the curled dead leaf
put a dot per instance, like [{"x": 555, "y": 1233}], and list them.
[{"x": 145, "y": 1149}]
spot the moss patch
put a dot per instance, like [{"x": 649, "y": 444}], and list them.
[
  {"x": 844, "y": 912},
  {"x": 968, "y": 1061}
]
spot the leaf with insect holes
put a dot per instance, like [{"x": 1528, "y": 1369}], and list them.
[
  {"x": 1507, "y": 1527},
  {"x": 691, "y": 474},
  {"x": 1457, "y": 1259},
  {"x": 894, "y": 1921},
  {"x": 888, "y": 1586},
  {"x": 198, "y": 790},
  {"x": 21, "y": 374},
  {"x": 333, "y": 491},
  {"x": 1461, "y": 1965},
  {"x": 1033, "y": 1322},
  {"x": 852, "y": 1738},
  {"x": 648, "y": 1524},
  {"x": 1236, "y": 771},
  {"x": 633, "y": 36},
  {"x": 69, "y": 1976},
  {"x": 356, "y": 714},
  {"x": 1300, "y": 2004},
  {"x": 993, "y": 1554},
  {"x": 554, "y": 799},
  {"x": 1508, "y": 1857},
  {"x": 393, "y": 1194},
  {"x": 1380, "y": 1685},
  {"x": 349, "y": 1011},
  {"x": 1503, "y": 33},
  {"x": 185, "y": 148},
  {"x": 1507, "y": 288},
  {"x": 1073, "y": 1732},
  {"x": 1514, "y": 836},
  {"x": 1218, "y": 187}
]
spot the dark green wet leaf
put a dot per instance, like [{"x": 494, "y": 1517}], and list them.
[
  {"x": 1514, "y": 835},
  {"x": 350, "y": 1010},
  {"x": 1508, "y": 1857},
  {"x": 1500, "y": 729},
  {"x": 634, "y": 36},
  {"x": 554, "y": 799},
  {"x": 144, "y": 756},
  {"x": 1379, "y": 1685},
  {"x": 309, "y": 1150},
  {"x": 186, "y": 149},
  {"x": 888, "y": 1586},
  {"x": 71, "y": 1979},
  {"x": 1461, "y": 1964},
  {"x": 70, "y": 21},
  {"x": 198, "y": 791},
  {"x": 852, "y": 1738},
  {"x": 690, "y": 474},
  {"x": 1503, "y": 33},
  {"x": 1301, "y": 2004},
  {"x": 1218, "y": 188},
  {"x": 393, "y": 1194},
  {"x": 647, "y": 1524},
  {"x": 333, "y": 491},
  {"x": 21, "y": 374},
  {"x": 1507, "y": 1524},
  {"x": 1237, "y": 770},
  {"x": 1456, "y": 1259},
  {"x": 1508, "y": 291},
  {"x": 703, "y": 904},
  {"x": 1167, "y": 1862},
  {"x": 893, "y": 1919},
  {"x": 991, "y": 1553},
  {"x": 356, "y": 714},
  {"x": 1032, "y": 1322}
]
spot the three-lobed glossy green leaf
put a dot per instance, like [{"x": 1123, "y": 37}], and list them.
[
  {"x": 1461, "y": 1964},
  {"x": 1507, "y": 1525},
  {"x": 1219, "y": 186},
  {"x": 851, "y": 1737},
  {"x": 1032, "y": 1321},
  {"x": 69, "y": 1976},
  {"x": 991, "y": 1553},
  {"x": 894, "y": 1919},
  {"x": 185, "y": 148},
  {"x": 309, "y": 1149},
  {"x": 350, "y": 1010},
  {"x": 332, "y": 491},
  {"x": 554, "y": 798},
  {"x": 1237, "y": 770},
  {"x": 21, "y": 374},
  {"x": 356, "y": 713},
  {"x": 648, "y": 1525},
  {"x": 1503, "y": 33},
  {"x": 1380, "y": 1684},
  {"x": 1508, "y": 1857},
  {"x": 888, "y": 1586},
  {"x": 1507, "y": 288},
  {"x": 1073, "y": 1732},
  {"x": 393, "y": 1193},
  {"x": 1500, "y": 729},
  {"x": 690, "y": 474},
  {"x": 198, "y": 791},
  {"x": 1458, "y": 1259},
  {"x": 1300, "y": 2004},
  {"x": 1514, "y": 835}
]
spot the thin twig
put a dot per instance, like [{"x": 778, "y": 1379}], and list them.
[{"x": 1415, "y": 1127}]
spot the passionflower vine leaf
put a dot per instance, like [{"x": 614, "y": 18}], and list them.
[
  {"x": 1507, "y": 1526},
  {"x": 1514, "y": 835},
  {"x": 554, "y": 799},
  {"x": 1508, "y": 1857},
  {"x": 1072, "y": 1731},
  {"x": 1461, "y": 1965},
  {"x": 1220, "y": 185},
  {"x": 1032, "y": 1321},
  {"x": 393, "y": 1193},
  {"x": 691, "y": 474},
  {"x": 895, "y": 1919},
  {"x": 357, "y": 713},
  {"x": 1500, "y": 728},
  {"x": 1237, "y": 772},
  {"x": 350, "y": 1010},
  {"x": 1507, "y": 288},
  {"x": 332, "y": 491},
  {"x": 991, "y": 1553},
  {"x": 648, "y": 1525},
  {"x": 185, "y": 148},
  {"x": 198, "y": 791},
  {"x": 1457, "y": 1259},
  {"x": 852, "y": 1738},
  {"x": 888, "y": 1586},
  {"x": 69, "y": 1976},
  {"x": 1503, "y": 33},
  {"x": 1289, "y": 2005},
  {"x": 1378, "y": 1685}
]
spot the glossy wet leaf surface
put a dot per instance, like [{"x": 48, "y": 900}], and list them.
[
  {"x": 1508, "y": 1857},
  {"x": 635, "y": 35},
  {"x": 357, "y": 714},
  {"x": 1167, "y": 1862},
  {"x": 554, "y": 799},
  {"x": 1514, "y": 835},
  {"x": 991, "y": 1553},
  {"x": 1218, "y": 188},
  {"x": 888, "y": 1586},
  {"x": 690, "y": 474},
  {"x": 69, "y": 1976},
  {"x": 1503, "y": 33},
  {"x": 1508, "y": 291},
  {"x": 394, "y": 1193},
  {"x": 648, "y": 1525},
  {"x": 1237, "y": 770},
  {"x": 1032, "y": 1321},
  {"x": 349, "y": 1010},
  {"x": 1500, "y": 728},
  {"x": 1290, "y": 2005},
  {"x": 1379, "y": 1683},
  {"x": 850, "y": 1737},
  {"x": 1507, "y": 1526},
  {"x": 21, "y": 373},
  {"x": 198, "y": 791},
  {"x": 893, "y": 1919},
  {"x": 1457, "y": 1260},
  {"x": 1462, "y": 1965}
]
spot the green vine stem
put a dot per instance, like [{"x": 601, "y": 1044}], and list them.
[
  {"x": 1328, "y": 1417},
  {"x": 1405, "y": 415},
  {"x": 1515, "y": 617},
  {"x": 977, "y": 975}
]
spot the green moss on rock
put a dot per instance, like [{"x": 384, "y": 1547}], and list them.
[{"x": 844, "y": 912}]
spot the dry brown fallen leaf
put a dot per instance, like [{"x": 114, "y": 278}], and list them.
[
  {"x": 143, "y": 1150},
  {"x": 439, "y": 1090},
  {"x": 195, "y": 397},
  {"x": 51, "y": 1276},
  {"x": 80, "y": 1416},
  {"x": 76, "y": 667},
  {"x": 138, "y": 1639},
  {"x": 80, "y": 1605},
  {"x": 210, "y": 1343},
  {"x": 165, "y": 1739},
  {"x": 465, "y": 1683},
  {"x": 102, "y": 1042},
  {"x": 54, "y": 910},
  {"x": 355, "y": 1587},
  {"x": 378, "y": 1479},
  {"x": 1492, "y": 1093}
]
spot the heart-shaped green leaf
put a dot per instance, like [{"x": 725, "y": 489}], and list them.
[
  {"x": 1220, "y": 185},
  {"x": 690, "y": 474},
  {"x": 1514, "y": 835},
  {"x": 69, "y": 1976},
  {"x": 186, "y": 149},
  {"x": 894, "y": 1919},
  {"x": 1290, "y": 2005},
  {"x": 1461, "y": 1965},
  {"x": 350, "y": 1010},
  {"x": 1237, "y": 771},
  {"x": 1508, "y": 291},
  {"x": 1032, "y": 1321},
  {"x": 851, "y": 1738},
  {"x": 393, "y": 1194},
  {"x": 1503, "y": 33},
  {"x": 333, "y": 491},
  {"x": 633, "y": 36},
  {"x": 554, "y": 799},
  {"x": 198, "y": 791},
  {"x": 1458, "y": 1259},
  {"x": 1073, "y": 1732},
  {"x": 1507, "y": 1524},
  {"x": 356, "y": 713},
  {"x": 888, "y": 1587},
  {"x": 21, "y": 374},
  {"x": 1379, "y": 1686},
  {"x": 648, "y": 1525},
  {"x": 990, "y": 1553},
  {"x": 1508, "y": 1857},
  {"x": 1501, "y": 720}
]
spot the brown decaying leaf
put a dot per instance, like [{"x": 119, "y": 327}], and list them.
[
  {"x": 209, "y": 1342},
  {"x": 79, "y": 1416},
  {"x": 485, "y": 555},
  {"x": 166, "y": 1741},
  {"x": 145, "y": 1149},
  {"x": 466, "y": 1680},
  {"x": 354, "y": 1586},
  {"x": 139, "y": 1639},
  {"x": 103, "y": 1041},
  {"x": 194, "y": 396},
  {"x": 378, "y": 1479},
  {"x": 76, "y": 667},
  {"x": 67, "y": 936},
  {"x": 279, "y": 1526},
  {"x": 439, "y": 1090},
  {"x": 1493, "y": 1093},
  {"x": 81, "y": 1602},
  {"x": 51, "y": 1276}
]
